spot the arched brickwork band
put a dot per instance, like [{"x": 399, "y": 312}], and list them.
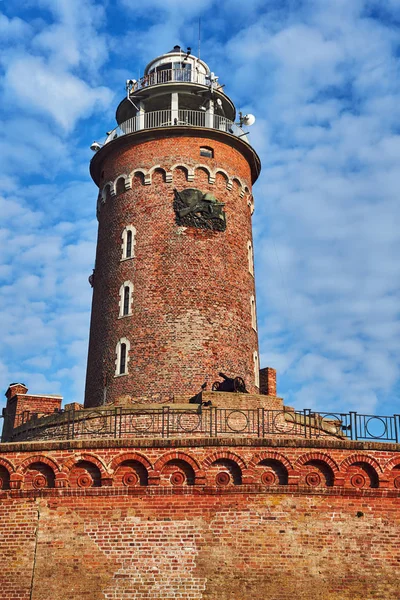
[
  {"x": 38, "y": 458},
  {"x": 301, "y": 470},
  {"x": 130, "y": 456},
  {"x": 317, "y": 456},
  {"x": 360, "y": 458},
  {"x": 270, "y": 455}
]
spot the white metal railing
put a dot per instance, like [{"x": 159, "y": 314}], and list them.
[
  {"x": 170, "y": 118},
  {"x": 186, "y": 75}
]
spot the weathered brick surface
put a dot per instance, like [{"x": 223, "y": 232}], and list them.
[
  {"x": 229, "y": 519},
  {"x": 191, "y": 301},
  {"x": 21, "y": 406},
  {"x": 268, "y": 381}
]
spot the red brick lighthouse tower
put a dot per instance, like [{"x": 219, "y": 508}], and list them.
[
  {"x": 173, "y": 286},
  {"x": 154, "y": 498}
]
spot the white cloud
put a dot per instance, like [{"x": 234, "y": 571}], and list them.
[
  {"x": 65, "y": 97},
  {"x": 13, "y": 29},
  {"x": 74, "y": 39},
  {"x": 322, "y": 78}
]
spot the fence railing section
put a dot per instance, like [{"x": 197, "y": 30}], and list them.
[
  {"x": 186, "y": 75},
  {"x": 167, "y": 422},
  {"x": 169, "y": 118}
]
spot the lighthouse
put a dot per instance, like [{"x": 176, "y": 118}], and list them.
[{"x": 174, "y": 301}]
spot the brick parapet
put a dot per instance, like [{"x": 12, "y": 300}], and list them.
[{"x": 21, "y": 406}]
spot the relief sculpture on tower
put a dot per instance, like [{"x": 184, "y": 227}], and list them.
[{"x": 194, "y": 208}]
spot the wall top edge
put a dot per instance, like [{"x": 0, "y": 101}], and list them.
[
  {"x": 146, "y": 135},
  {"x": 275, "y": 442}
]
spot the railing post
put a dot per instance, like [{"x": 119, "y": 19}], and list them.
[
  {"x": 260, "y": 422},
  {"x": 141, "y": 115},
  {"x": 307, "y": 422},
  {"x": 165, "y": 421},
  {"x": 174, "y": 109},
  {"x": 353, "y": 425},
  {"x": 117, "y": 411},
  {"x": 67, "y": 416},
  {"x": 210, "y": 115},
  {"x": 396, "y": 419},
  {"x": 73, "y": 424}
]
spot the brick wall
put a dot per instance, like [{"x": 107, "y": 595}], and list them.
[
  {"x": 191, "y": 312},
  {"x": 275, "y": 519},
  {"x": 21, "y": 406}
]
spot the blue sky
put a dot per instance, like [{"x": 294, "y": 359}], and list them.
[{"x": 323, "y": 79}]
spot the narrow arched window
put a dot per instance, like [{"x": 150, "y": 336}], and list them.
[
  {"x": 122, "y": 357},
  {"x": 250, "y": 257},
  {"x": 127, "y": 293},
  {"x": 256, "y": 369},
  {"x": 125, "y": 299},
  {"x": 253, "y": 313},
  {"x": 122, "y": 360},
  {"x": 128, "y": 242}
]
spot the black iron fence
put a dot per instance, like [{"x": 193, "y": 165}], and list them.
[{"x": 166, "y": 422}]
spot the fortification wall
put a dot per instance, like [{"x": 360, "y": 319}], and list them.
[{"x": 200, "y": 519}]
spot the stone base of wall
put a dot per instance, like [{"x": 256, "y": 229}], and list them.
[{"x": 230, "y": 547}]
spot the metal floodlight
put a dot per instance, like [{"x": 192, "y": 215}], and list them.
[
  {"x": 247, "y": 120},
  {"x": 95, "y": 147}
]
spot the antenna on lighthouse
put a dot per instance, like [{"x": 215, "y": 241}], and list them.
[{"x": 198, "y": 53}]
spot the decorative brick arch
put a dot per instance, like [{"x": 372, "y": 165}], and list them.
[
  {"x": 224, "y": 454},
  {"x": 239, "y": 182},
  {"x": 250, "y": 201},
  {"x": 270, "y": 455},
  {"x": 250, "y": 198},
  {"x": 170, "y": 456},
  {"x": 390, "y": 465},
  {"x": 110, "y": 185},
  {"x": 211, "y": 176},
  {"x": 226, "y": 176},
  {"x": 7, "y": 464},
  {"x": 360, "y": 458},
  {"x": 184, "y": 167},
  {"x": 317, "y": 456},
  {"x": 38, "y": 458},
  {"x": 130, "y": 456},
  {"x": 90, "y": 458},
  {"x": 149, "y": 175},
  {"x": 131, "y": 175},
  {"x": 125, "y": 179}
]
